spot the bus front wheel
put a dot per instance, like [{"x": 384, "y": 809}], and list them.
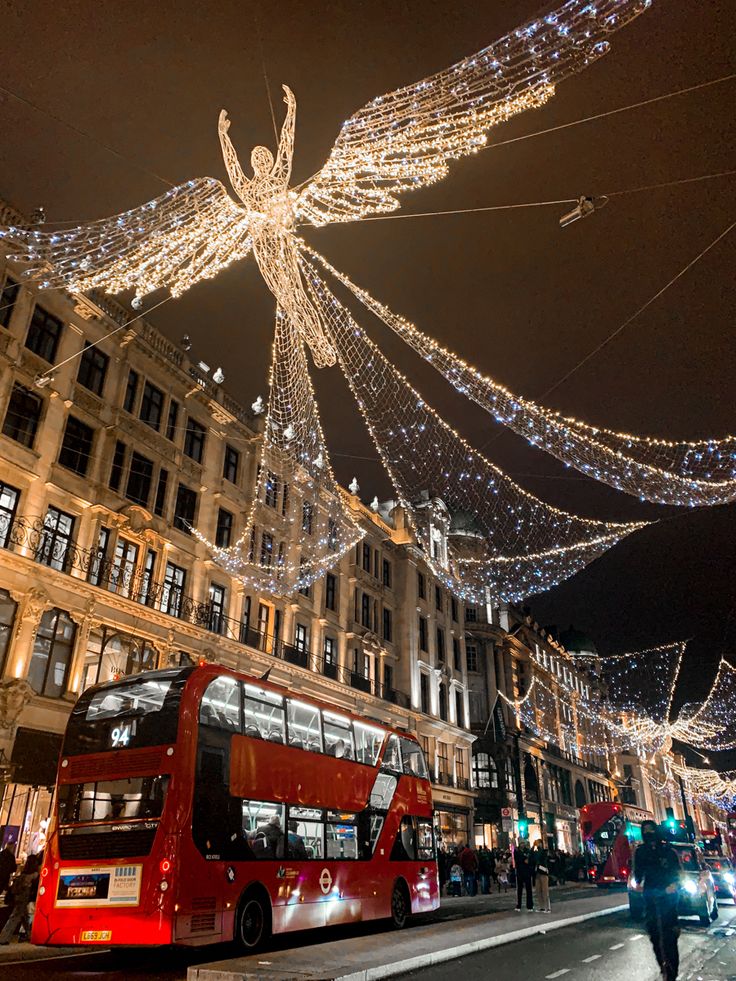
[
  {"x": 400, "y": 906},
  {"x": 253, "y": 925}
]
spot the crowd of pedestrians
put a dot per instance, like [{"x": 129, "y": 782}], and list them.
[{"x": 468, "y": 871}]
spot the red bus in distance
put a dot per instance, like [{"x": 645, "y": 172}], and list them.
[
  {"x": 610, "y": 833},
  {"x": 197, "y": 805}
]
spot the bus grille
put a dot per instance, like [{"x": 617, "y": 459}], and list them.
[
  {"x": 203, "y": 914},
  {"x": 115, "y": 844}
]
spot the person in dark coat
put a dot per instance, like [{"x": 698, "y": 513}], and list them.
[
  {"x": 657, "y": 875},
  {"x": 524, "y": 867},
  {"x": 8, "y": 865},
  {"x": 25, "y": 887}
]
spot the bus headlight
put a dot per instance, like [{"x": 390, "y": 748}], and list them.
[
  {"x": 163, "y": 885},
  {"x": 690, "y": 887}
]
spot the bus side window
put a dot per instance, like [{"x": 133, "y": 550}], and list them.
[
  {"x": 413, "y": 758},
  {"x": 384, "y": 788},
  {"x": 306, "y": 833},
  {"x": 338, "y": 736},
  {"x": 263, "y": 826},
  {"x": 425, "y": 839},
  {"x": 368, "y": 742},
  {"x": 405, "y": 842},
  {"x": 305, "y": 730},
  {"x": 220, "y": 706},
  {"x": 392, "y": 755},
  {"x": 263, "y": 715},
  {"x": 342, "y": 836}
]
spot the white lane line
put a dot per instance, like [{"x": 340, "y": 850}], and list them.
[
  {"x": 616, "y": 947},
  {"x": 639, "y": 936},
  {"x": 593, "y": 957},
  {"x": 558, "y": 974}
]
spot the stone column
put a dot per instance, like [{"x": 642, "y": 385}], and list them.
[{"x": 32, "y": 606}]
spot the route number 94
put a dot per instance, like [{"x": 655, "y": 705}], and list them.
[{"x": 120, "y": 736}]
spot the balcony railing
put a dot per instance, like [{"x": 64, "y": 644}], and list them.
[{"x": 48, "y": 547}]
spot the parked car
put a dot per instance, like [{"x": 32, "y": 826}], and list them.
[
  {"x": 724, "y": 877},
  {"x": 697, "y": 895}
]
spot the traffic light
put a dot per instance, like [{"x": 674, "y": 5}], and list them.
[{"x": 523, "y": 826}]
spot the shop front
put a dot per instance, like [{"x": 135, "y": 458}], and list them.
[
  {"x": 26, "y": 800},
  {"x": 451, "y": 825}
]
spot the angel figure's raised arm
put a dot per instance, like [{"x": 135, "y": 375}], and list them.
[
  {"x": 285, "y": 154},
  {"x": 237, "y": 178}
]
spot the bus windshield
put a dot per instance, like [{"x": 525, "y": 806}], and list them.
[
  {"x": 138, "y": 711},
  {"x": 112, "y": 800}
]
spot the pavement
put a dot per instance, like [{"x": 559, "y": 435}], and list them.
[{"x": 362, "y": 959}]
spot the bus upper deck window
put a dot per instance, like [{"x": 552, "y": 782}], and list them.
[
  {"x": 263, "y": 714},
  {"x": 392, "y": 756},
  {"x": 368, "y": 742},
  {"x": 338, "y": 736},
  {"x": 413, "y": 759},
  {"x": 220, "y": 706},
  {"x": 305, "y": 731}
]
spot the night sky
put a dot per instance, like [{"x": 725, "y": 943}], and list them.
[{"x": 512, "y": 292}]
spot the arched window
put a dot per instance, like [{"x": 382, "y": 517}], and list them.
[
  {"x": 485, "y": 773},
  {"x": 52, "y": 653}
]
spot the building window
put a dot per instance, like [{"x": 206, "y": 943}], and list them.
[
  {"x": 9, "y": 497},
  {"x": 171, "y": 424},
  {"x": 471, "y": 656},
  {"x": 330, "y": 591},
  {"x": 144, "y": 593},
  {"x": 53, "y": 548},
  {"x": 437, "y": 598},
  {"x": 330, "y": 650},
  {"x": 185, "y": 508},
  {"x": 440, "y": 644},
  {"x": 118, "y": 463},
  {"x": 301, "y": 637},
  {"x": 231, "y": 464},
  {"x": 386, "y": 573},
  {"x": 194, "y": 436},
  {"x": 8, "y": 608},
  {"x": 218, "y": 607},
  {"x": 485, "y": 774},
  {"x": 92, "y": 368},
  {"x": 98, "y": 560},
  {"x": 285, "y": 500},
  {"x": 459, "y": 709},
  {"x": 131, "y": 391},
  {"x": 453, "y": 608},
  {"x": 52, "y": 653},
  {"x": 508, "y": 776},
  {"x": 140, "y": 478},
  {"x": 22, "y": 417},
  {"x": 388, "y": 627},
  {"x": 271, "y": 489},
  {"x": 332, "y": 534},
  {"x": 266, "y": 549},
  {"x": 159, "y": 505},
  {"x": 366, "y": 557},
  {"x": 443, "y": 702},
  {"x": 172, "y": 593},
  {"x": 421, "y": 586},
  {"x": 423, "y": 645},
  {"x": 76, "y": 447},
  {"x": 456, "y": 661},
  {"x": 443, "y": 760},
  {"x": 471, "y": 614},
  {"x": 124, "y": 562},
  {"x": 8, "y": 299},
  {"x": 307, "y": 517},
  {"x": 424, "y": 692},
  {"x": 365, "y": 610},
  {"x": 43, "y": 334},
  {"x": 152, "y": 406},
  {"x": 224, "y": 530}
]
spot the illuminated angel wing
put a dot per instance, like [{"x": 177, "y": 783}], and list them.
[
  {"x": 176, "y": 240},
  {"x": 404, "y": 140}
]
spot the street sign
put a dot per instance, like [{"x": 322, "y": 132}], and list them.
[
  {"x": 505, "y": 812},
  {"x": 507, "y": 824}
]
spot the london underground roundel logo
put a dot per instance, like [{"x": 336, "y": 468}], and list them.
[{"x": 325, "y": 881}]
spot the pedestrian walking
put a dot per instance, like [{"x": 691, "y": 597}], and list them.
[
  {"x": 486, "y": 867},
  {"x": 8, "y": 865},
  {"x": 541, "y": 873},
  {"x": 502, "y": 872},
  {"x": 657, "y": 876},
  {"x": 24, "y": 888},
  {"x": 523, "y": 864},
  {"x": 468, "y": 860}
]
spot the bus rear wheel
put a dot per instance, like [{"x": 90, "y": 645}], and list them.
[
  {"x": 400, "y": 906},
  {"x": 253, "y": 924}
]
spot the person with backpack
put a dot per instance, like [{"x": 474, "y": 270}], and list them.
[{"x": 24, "y": 889}]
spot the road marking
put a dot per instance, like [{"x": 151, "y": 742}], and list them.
[
  {"x": 639, "y": 936},
  {"x": 593, "y": 957},
  {"x": 558, "y": 974},
  {"x": 616, "y": 947}
]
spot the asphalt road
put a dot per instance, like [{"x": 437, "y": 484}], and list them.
[
  {"x": 611, "y": 948},
  {"x": 563, "y": 950}
]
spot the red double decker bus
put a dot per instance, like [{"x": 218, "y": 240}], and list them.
[
  {"x": 610, "y": 833},
  {"x": 198, "y": 804}
]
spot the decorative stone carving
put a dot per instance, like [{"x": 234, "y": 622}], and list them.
[
  {"x": 15, "y": 693},
  {"x": 35, "y": 602}
]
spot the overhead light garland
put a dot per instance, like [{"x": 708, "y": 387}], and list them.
[{"x": 512, "y": 543}]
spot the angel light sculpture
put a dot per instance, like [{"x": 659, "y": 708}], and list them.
[{"x": 508, "y": 542}]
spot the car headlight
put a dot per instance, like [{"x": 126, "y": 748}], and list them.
[
  {"x": 690, "y": 887},
  {"x": 633, "y": 884},
  {"x": 729, "y": 878}
]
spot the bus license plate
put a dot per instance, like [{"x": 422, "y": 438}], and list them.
[{"x": 96, "y": 936}]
